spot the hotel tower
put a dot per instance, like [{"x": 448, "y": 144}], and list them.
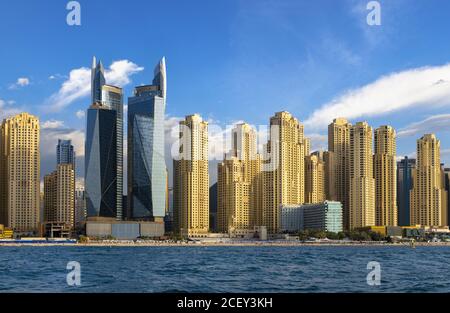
[
  {"x": 284, "y": 168},
  {"x": 20, "y": 173},
  {"x": 191, "y": 179},
  {"x": 339, "y": 166},
  {"x": 362, "y": 182},
  {"x": 385, "y": 171},
  {"x": 104, "y": 148},
  {"x": 428, "y": 196},
  {"x": 147, "y": 177},
  {"x": 238, "y": 184}
]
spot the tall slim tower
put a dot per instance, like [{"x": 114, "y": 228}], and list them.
[
  {"x": 385, "y": 176},
  {"x": 238, "y": 201},
  {"x": 339, "y": 148},
  {"x": 20, "y": 173},
  {"x": 315, "y": 178},
  {"x": 65, "y": 153},
  {"x": 362, "y": 182},
  {"x": 104, "y": 148},
  {"x": 405, "y": 171},
  {"x": 146, "y": 162},
  {"x": 191, "y": 179},
  {"x": 428, "y": 196},
  {"x": 284, "y": 176}
]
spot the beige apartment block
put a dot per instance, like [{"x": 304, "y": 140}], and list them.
[
  {"x": 20, "y": 173},
  {"x": 239, "y": 198},
  {"x": 385, "y": 171},
  {"x": 362, "y": 182},
  {"x": 315, "y": 178},
  {"x": 339, "y": 179},
  {"x": 59, "y": 196},
  {"x": 283, "y": 168},
  {"x": 191, "y": 179},
  {"x": 428, "y": 196}
]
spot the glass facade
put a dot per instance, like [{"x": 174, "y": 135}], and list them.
[
  {"x": 113, "y": 99},
  {"x": 101, "y": 163},
  {"x": 105, "y": 98},
  {"x": 65, "y": 154},
  {"x": 146, "y": 163},
  {"x": 404, "y": 185},
  {"x": 326, "y": 216}
]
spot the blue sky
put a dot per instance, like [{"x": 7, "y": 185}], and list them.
[{"x": 233, "y": 60}]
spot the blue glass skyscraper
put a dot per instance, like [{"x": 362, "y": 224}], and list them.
[
  {"x": 65, "y": 154},
  {"x": 404, "y": 185},
  {"x": 146, "y": 163},
  {"x": 104, "y": 148}
]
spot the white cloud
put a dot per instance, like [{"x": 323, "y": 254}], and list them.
[
  {"x": 319, "y": 142},
  {"x": 52, "y": 124},
  {"x": 78, "y": 85},
  {"x": 7, "y": 109},
  {"x": 432, "y": 124},
  {"x": 80, "y": 114},
  {"x": 21, "y": 82},
  {"x": 394, "y": 92}
]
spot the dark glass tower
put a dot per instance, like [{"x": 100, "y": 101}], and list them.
[
  {"x": 404, "y": 185},
  {"x": 146, "y": 163},
  {"x": 65, "y": 154},
  {"x": 104, "y": 148},
  {"x": 101, "y": 163}
]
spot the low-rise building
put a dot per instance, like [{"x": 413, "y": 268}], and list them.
[
  {"x": 326, "y": 216},
  {"x": 110, "y": 228}
]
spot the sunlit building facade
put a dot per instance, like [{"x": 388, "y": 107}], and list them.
[
  {"x": 283, "y": 168},
  {"x": 428, "y": 196},
  {"x": 362, "y": 182},
  {"x": 20, "y": 173},
  {"x": 385, "y": 171},
  {"x": 191, "y": 179}
]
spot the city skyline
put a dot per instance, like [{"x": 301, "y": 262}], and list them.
[{"x": 300, "y": 65}]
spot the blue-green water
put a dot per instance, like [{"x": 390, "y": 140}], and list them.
[{"x": 225, "y": 269}]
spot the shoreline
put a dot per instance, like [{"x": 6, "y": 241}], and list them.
[{"x": 230, "y": 244}]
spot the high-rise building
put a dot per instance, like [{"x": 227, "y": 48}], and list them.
[
  {"x": 65, "y": 153},
  {"x": 385, "y": 176},
  {"x": 146, "y": 162},
  {"x": 100, "y": 163},
  {"x": 20, "y": 173},
  {"x": 238, "y": 200},
  {"x": 315, "y": 178},
  {"x": 80, "y": 206},
  {"x": 362, "y": 182},
  {"x": 59, "y": 196},
  {"x": 284, "y": 168},
  {"x": 339, "y": 148},
  {"x": 104, "y": 148},
  {"x": 191, "y": 179},
  {"x": 447, "y": 189},
  {"x": 428, "y": 196},
  {"x": 405, "y": 170},
  {"x": 329, "y": 169}
]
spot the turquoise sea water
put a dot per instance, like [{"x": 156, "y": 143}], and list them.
[{"x": 225, "y": 269}]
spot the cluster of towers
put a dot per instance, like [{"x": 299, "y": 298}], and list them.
[
  {"x": 147, "y": 174},
  {"x": 359, "y": 170}
]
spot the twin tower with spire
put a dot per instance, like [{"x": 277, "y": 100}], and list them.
[{"x": 146, "y": 183}]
